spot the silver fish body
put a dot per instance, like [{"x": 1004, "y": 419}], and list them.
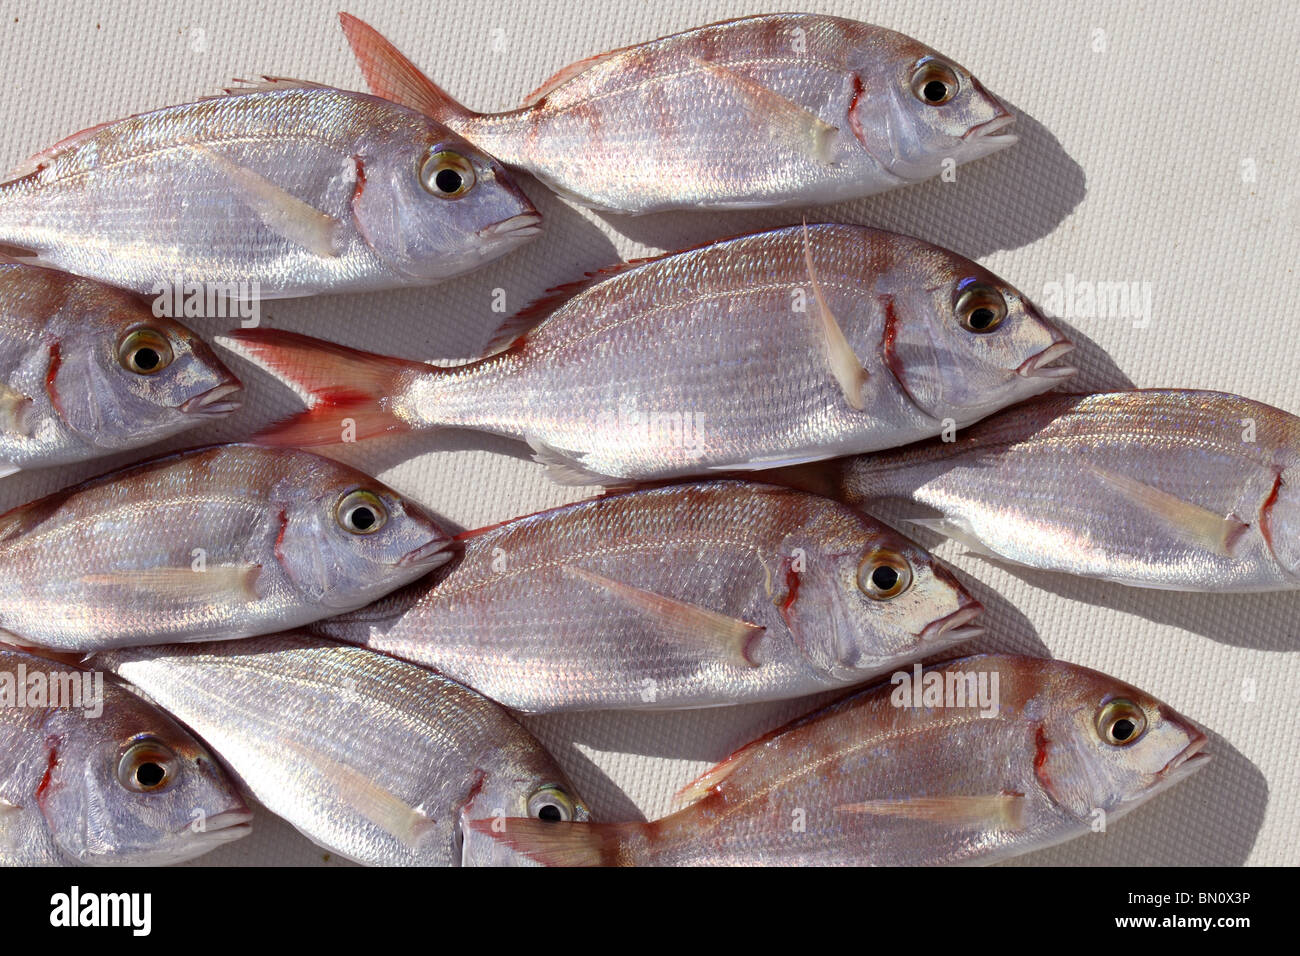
[
  {"x": 1161, "y": 488},
  {"x": 92, "y": 775},
  {"x": 373, "y": 758},
  {"x": 784, "y": 346},
  {"x": 299, "y": 188},
  {"x": 776, "y": 110},
  {"x": 914, "y": 772},
  {"x": 684, "y": 596},
  {"x": 211, "y": 544},
  {"x": 87, "y": 370}
]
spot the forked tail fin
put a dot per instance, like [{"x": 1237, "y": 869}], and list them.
[
  {"x": 392, "y": 76},
  {"x": 348, "y": 392}
]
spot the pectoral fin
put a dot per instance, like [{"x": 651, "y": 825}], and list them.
[
  {"x": 185, "y": 583},
  {"x": 1003, "y": 811},
  {"x": 844, "y": 365},
  {"x": 786, "y": 120},
  {"x": 1210, "y": 530},
  {"x": 14, "y": 412},
  {"x": 358, "y": 790},
  {"x": 282, "y": 213},
  {"x": 716, "y": 632}
]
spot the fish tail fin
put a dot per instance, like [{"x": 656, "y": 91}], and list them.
[
  {"x": 391, "y": 75},
  {"x": 348, "y": 392},
  {"x": 553, "y": 843}
]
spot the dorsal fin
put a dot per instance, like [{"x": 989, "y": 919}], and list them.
[
  {"x": 264, "y": 83},
  {"x": 34, "y": 163},
  {"x": 534, "y": 313},
  {"x": 712, "y": 778},
  {"x": 569, "y": 72}
]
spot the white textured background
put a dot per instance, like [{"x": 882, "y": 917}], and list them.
[{"x": 1159, "y": 144}]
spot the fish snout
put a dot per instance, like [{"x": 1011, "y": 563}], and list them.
[
  {"x": 522, "y": 226},
  {"x": 955, "y": 627}
]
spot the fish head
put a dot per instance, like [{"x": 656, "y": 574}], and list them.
[
  {"x": 432, "y": 206},
  {"x": 1280, "y": 521},
  {"x": 346, "y": 539},
  {"x": 1104, "y": 745},
  {"x": 860, "y": 598},
  {"x": 513, "y": 782},
  {"x": 132, "y": 786},
  {"x": 914, "y": 110},
  {"x": 125, "y": 377},
  {"x": 963, "y": 343}
]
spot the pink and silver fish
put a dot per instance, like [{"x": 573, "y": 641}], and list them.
[
  {"x": 94, "y": 776},
  {"x": 765, "y": 350},
  {"x": 1159, "y": 488},
  {"x": 87, "y": 370},
  {"x": 373, "y": 758},
  {"x": 684, "y": 596},
  {"x": 971, "y": 761},
  {"x": 776, "y": 110},
  {"x": 211, "y": 544},
  {"x": 296, "y": 187}
]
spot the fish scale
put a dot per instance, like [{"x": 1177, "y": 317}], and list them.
[{"x": 535, "y": 614}]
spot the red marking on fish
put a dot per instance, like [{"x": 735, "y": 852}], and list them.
[
  {"x": 279, "y": 538},
  {"x": 1266, "y": 510},
  {"x": 43, "y": 788},
  {"x": 56, "y": 359},
  {"x": 1041, "y": 743},
  {"x": 854, "y": 123},
  {"x": 792, "y": 593}
]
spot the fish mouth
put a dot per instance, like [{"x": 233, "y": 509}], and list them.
[
  {"x": 1036, "y": 366},
  {"x": 428, "y": 555},
  {"x": 1190, "y": 759},
  {"x": 956, "y": 626},
  {"x": 215, "y": 402},
  {"x": 523, "y": 226},
  {"x": 990, "y": 132}
]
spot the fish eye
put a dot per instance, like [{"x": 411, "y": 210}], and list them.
[
  {"x": 144, "y": 351},
  {"x": 447, "y": 174},
  {"x": 1120, "y": 722},
  {"x": 883, "y": 575},
  {"x": 552, "y": 805},
  {"x": 146, "y": 765},
  {"x": 934, "y": 83},
  {"x": 980, "y": 308},
  {"x": 361, "y": 512}
]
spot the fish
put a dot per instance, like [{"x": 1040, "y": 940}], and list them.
[
  {"x": 91, "y": 775},
  {"x": 87, "y": 370},
  {"x": 684, "y": 596},
  {"x": 375, "y": 759},
  {"x": 1173, "y": 489},
  {"x": 786, "y": 346},
  {"x": 215, "y": 543},
  {"x": 916, "y": 771},
  {"x": 761, "y": 111},
  {"x": 279, "y": 188}
]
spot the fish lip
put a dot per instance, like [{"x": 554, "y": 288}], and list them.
[
  {"x": 525, "y": 225},
  {"x": 240, "y": 819},
  {"x": 219, "y": 400},
  {"x": 1188, "y": 759},
  {"x": 1034, "y": 366},
  {"x": 431, "y": 554},
  {"x": 955, "y": 626},
  {"x": 988, "y": 130}
]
